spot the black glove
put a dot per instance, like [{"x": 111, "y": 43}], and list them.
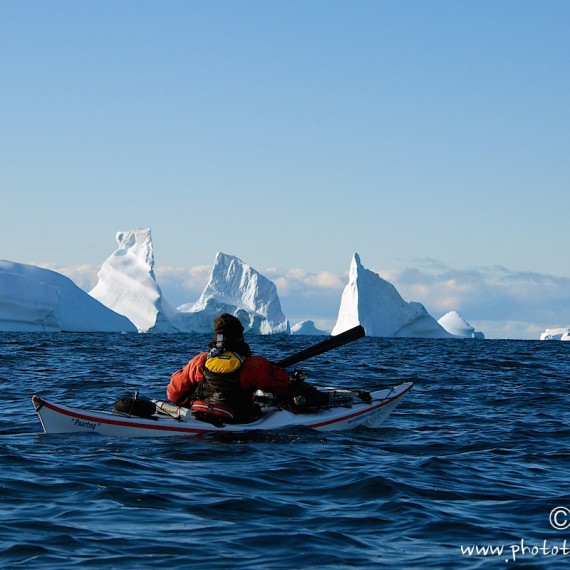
[
  {"x": 298, "y": 376},
  {"x": 364, "y": 395}
]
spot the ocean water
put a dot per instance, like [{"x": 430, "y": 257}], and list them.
[{"x": 470, "y": 471}]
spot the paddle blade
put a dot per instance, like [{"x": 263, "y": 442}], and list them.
[{"x": 332, "y": 342}]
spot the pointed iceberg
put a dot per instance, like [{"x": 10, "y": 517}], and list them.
[
  {"x": 375, "y": 304},
  {"x": 236, "y": 288},
  {"x": 128, "y": 286}
]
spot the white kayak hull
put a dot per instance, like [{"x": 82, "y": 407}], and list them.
[{"x": 62, "y": 419}]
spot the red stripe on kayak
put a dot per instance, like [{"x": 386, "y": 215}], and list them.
[
  {"x": 362, "y": 412},
  {"x": 156, "y": 427}
]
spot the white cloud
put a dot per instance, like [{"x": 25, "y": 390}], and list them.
[
  {"x": 180, "y": 286},
  {"x": 299, "y": 280},
  {"x": 84, "y": 276}
]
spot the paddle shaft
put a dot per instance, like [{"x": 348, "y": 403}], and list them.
[{"x": 332, "y": 342}]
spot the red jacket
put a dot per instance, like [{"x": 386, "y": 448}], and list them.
[{"x": 256, "y": 373}]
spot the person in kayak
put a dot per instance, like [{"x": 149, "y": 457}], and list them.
[{"x": 218, "y": 385}]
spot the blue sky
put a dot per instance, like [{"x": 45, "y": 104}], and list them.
[{"x": 430, "y": 137}]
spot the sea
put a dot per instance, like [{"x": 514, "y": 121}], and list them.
[{"x": 470, "y": 471}]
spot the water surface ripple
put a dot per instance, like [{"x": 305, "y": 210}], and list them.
[{"x": 476, "y": 455}]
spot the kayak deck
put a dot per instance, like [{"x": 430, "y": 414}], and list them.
[{"x": 56, "y": 418}]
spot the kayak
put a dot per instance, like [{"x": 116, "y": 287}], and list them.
[{"x": 172, "y": 420}]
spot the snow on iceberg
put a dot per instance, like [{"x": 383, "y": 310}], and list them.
[
  {"x": 128, "y": 286},
  {"x": 33, "y": 299},
  {"x": 375, "y": 304},
  {"x": 307, "y": 328},
  {"x": 456, "y": 325},
  {"x": 556, "y": 334},
  {"x": 236, "y": 288}
]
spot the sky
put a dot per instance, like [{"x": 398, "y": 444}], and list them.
[{"x": 430, "y": 137}]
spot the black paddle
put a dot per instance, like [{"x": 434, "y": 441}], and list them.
[{"x": 332, "y": 342}]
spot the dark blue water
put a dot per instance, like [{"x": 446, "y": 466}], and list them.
[{"x": 478, "y": 454}]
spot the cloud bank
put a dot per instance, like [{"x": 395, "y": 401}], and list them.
[
  {"x": 500, "y": 302},
  {"x": 495, "y": 300}
]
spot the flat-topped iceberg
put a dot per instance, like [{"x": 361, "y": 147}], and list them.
[
  {"x": 33, "y": 299},
  {"x": 375, "y": 304},
  {"x": 456, "y": 325},
  {"x": 556, "y": 334}
]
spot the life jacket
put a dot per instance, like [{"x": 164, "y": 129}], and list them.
[{"x": 219, "y": 396}]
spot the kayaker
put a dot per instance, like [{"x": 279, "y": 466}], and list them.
[{"x": 219, "y": 385}]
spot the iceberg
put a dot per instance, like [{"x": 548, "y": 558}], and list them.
[
  {"x": 556, "y": 334},
  {"x": 33, "y": 299},
  {"x": 375, "y": 304},
  {"x": 236, "y": 288},
  {"x": 128, "y": 286},
  {"x": 456, "y": 325},
  {"x": 307, "y": 328}
]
